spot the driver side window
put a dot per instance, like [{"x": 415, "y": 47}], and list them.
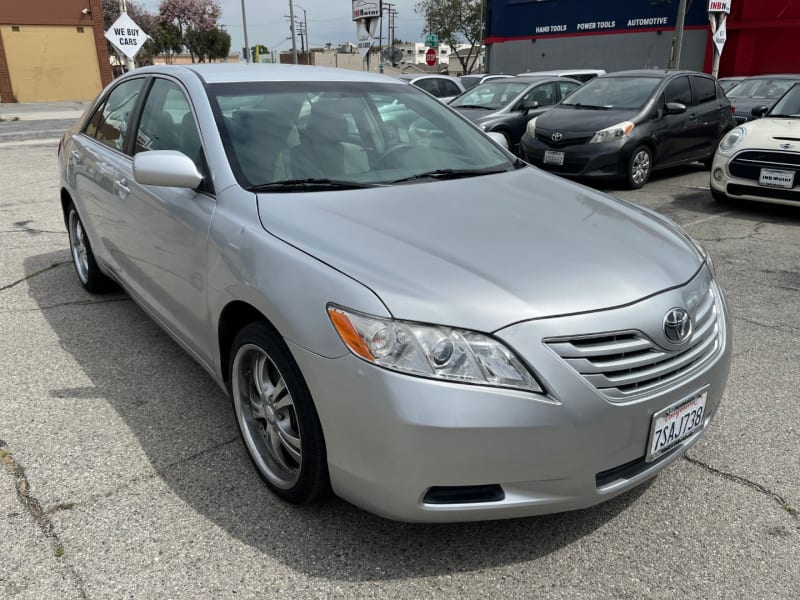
[{"x": 541, "y": 95}]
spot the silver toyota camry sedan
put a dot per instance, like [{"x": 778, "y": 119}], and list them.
[{"x": 401, "y": 311}]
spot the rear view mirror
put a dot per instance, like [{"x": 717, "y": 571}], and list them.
[
  {"x": 675, "y": 108},
  {"x": 498, "y": 138},
  {"x": 168, "y": 168},
  {"x": 759, "y": 111}
]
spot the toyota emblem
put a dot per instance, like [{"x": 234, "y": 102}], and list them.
[
  {"x": 677, "y": 325},
  {"x": 557, "y": 137}
]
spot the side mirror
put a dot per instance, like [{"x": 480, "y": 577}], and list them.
[
  {"x": 168, "y": 168},
  {"x": 675, "y": 108},
  {"x": 498, "y": 138},
  {"x": 529, "y": 105},
  {"x": 759, "y": 111}
]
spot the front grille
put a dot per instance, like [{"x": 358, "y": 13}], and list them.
[
  {"x": 748, "y": 164},
  {"x": 566, "y": 141},
  {"x": 764, "y": 192},
  {"x": 627, "y": 363}
]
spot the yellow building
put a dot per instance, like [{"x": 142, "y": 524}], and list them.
[{"x": 52, "y": 50}]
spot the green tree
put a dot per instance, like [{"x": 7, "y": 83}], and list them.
[
  {"x": 455, "y": 22},
  {"x": 258, "y": 49},
  {"x": 210, "y": 44}
]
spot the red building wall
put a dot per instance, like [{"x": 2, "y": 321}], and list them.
[{"x": 762, "y": 38}]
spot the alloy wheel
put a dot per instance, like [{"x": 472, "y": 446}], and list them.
[{"x": 79, "y": 246}]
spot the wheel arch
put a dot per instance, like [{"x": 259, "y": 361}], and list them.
[
  {"x": 66, "y": 201},
  {"x": 236, "y": 315}
]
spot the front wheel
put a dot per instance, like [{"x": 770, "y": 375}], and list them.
[
  {"x": 276, "y": 416},
  {"x": 640, "y": 166},
  {"x": 89, "y": 274}
]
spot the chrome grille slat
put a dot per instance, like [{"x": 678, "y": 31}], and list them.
[{"x": 625, "y": 363}]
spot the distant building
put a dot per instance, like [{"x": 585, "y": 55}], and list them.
[
  {"x": 52, "y": 50},
  {"x": 536, "y": 35}
]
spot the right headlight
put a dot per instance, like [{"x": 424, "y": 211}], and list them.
[
  {"x": 431, "y": 351},
  {"x": 531, "y": 128},
  {"x": 732, "y": 139}
]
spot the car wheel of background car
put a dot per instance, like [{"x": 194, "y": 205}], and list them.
[
  {"x": 89, "y": 274},
  {"x": 719, "y": 196},
  {"x": 276, "y": 416},
  {"x": 639, "y": 167}
]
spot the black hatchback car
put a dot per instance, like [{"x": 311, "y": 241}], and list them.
[{"x": 624, "y": 125}]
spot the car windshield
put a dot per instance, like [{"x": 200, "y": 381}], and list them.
[
  {"x": 470, "y": 81},
  {"x": 789, "y": 105},
  {"x": 491, "y": 95},
  {"x": 613, "y": 93},
  {"x": 330, "y": 135},
  {"x": 728, "y": 85},
  {"x": 761, "y": 88}
]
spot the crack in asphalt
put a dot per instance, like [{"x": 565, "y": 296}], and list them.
[
  {"x": 777, "y": 498},
  {"x": 34, "y": 274},
  {"x": 39, "y": 516},
  {"x": 68, "y": 303},
  {"x": 756, "y": 231},
  {"x": 781, "y": 328}
]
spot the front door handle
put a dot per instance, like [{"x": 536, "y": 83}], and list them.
[
  {"x": 122, "y": 186},
  {"x": 75, "y": 155}
]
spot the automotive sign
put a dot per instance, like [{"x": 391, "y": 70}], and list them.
[
  {"x": 720, "y": 6},
  {"x": 126, "y": 36},
  {"x": 525, "y": 19},
  {"x": 366, "y": 9}
]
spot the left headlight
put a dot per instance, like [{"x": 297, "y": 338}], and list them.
[
  {"x": 615, "y": 132},
  {"x": 732, "y": 139},
  {"x": 431, "y": 351}
]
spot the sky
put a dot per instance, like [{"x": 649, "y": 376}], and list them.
[{"x": 328, "y": 21}]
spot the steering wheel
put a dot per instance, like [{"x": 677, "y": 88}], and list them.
[{"x": 392, "y": 152}]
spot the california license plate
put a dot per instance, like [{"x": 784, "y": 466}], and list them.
[
  {"x": 553, "y": 158},
  {"x": 672, "y": 425},
  {"x": 776, "y": 178}
]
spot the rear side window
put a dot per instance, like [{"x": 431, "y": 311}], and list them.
[
  {"x": 678, "y": 90},
  {"x": 705, "y": 89},
  {"x": 110, "y": 123},
  {"x": 567, "y": 88}
]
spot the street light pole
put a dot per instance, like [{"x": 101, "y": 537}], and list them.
[
  {"x": 677, "y": 40},
  {"x": 291, "y": 28},
  {"x": 246, "y": 44}
]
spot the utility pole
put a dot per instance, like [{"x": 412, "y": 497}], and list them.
[
  {"x": 244, "y": 27},
  {"x": 130, "y": 65},
  {"x": 677, "y": 39},
  {"x": 291, "y": 28}
]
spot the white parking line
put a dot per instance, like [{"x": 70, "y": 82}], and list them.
[
  {"x": 42, "y": 142},
  {"x": 709, "y": 218}
]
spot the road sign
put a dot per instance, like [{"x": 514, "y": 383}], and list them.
[
  {"x": 720, "y": 36},
  {"x": 126, "y": 36},
  {"x": 432, "y": 41},
  {"x": 430, "y": 57}
]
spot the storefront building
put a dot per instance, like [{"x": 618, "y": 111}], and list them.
[
  {"x": 52, "y": 50},
  {"x": 535, "y": 35}
]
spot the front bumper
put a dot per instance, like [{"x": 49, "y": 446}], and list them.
[
  {"x": 723, "y": 182},
  {"x": 391, "y": 437},
  {"x": 607, "y": 160}
]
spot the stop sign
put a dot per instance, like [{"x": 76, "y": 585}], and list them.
[{"x": 430, "y": 57}]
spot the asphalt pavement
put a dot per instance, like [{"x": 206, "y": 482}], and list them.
[{"x": 122, "y": 473}]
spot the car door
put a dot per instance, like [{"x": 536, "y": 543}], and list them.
[
  {"x": 673, "y": 135},
  {"x": 96, "y": 155},
  {"x": 709, "y": 120},
  {"x": 168, "y": 227},
  {"x": 534, "y": 102}
]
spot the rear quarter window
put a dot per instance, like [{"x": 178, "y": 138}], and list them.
[{"x": 705, "y": 89}]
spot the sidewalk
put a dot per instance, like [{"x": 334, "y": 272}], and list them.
[{"x": 40, "y": 111}]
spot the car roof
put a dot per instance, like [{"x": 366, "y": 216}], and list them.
[
  {"x": 407, "y": 77},
  {"x": 656, "y": 73},
  {"x": 775, "y": 76},
  {"x": 538, "y": 78},
  {"x": 246, "y": 72}
]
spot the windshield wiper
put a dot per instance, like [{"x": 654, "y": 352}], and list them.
[
  {"x": 473, "y": 106},
  {"x": 783, "y": 116},
  {"x": 589, "y": 106},
  {"x": 442, "y": 174},
  {"x": 300, "y": 185}
]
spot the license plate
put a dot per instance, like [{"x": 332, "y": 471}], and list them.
[
  {"x": 775, "y": 178},
  {"x": 674, "y": 424},
  {"x": 553, "y": 158}
]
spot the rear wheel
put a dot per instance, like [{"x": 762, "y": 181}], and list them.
[
  {"x": 276, "y": 416},
  {"x": 89, "y": 274},
  {"x": 640, "y": 166}
]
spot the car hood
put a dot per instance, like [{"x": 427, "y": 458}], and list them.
[
  {"x": 581, "y": 121},
  {"x": 477, "y": 115},
  {"x": 770, "y": 134},
  {"x": 484, "y": 252}
]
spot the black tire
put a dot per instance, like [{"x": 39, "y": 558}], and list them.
[
  {"x": 89, "y": 274},
  {"x": 640, "y": 167},
  {"x": 277, "y": 426}
]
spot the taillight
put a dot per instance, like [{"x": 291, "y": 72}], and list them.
[{"x": 733, "y": 109}]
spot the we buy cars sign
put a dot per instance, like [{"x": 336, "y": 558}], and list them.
[{"x": 126, "y": 36}]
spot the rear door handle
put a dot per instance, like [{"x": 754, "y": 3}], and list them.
[
  {"x": 75, "y": 155},
  {"x": 121, "y": 185}
]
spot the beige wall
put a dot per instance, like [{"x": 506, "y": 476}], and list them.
[{"x": 51, "y": 62}]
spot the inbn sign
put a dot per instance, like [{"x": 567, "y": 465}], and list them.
[{"x": 719, "y": 6}]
